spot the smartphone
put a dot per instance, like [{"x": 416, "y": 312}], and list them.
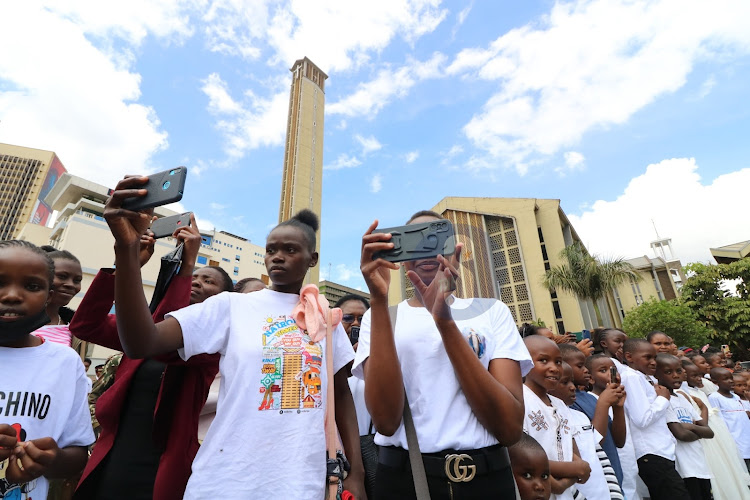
[
  {"x": 585, "y": 334},
  {"x": 424, "y": 240},
  {"x": 354, "y": 334},
  {"x": 163, "y": 188},
  {"x": 579, "y": 336},
  {"x": 725, "y": 349},
  {"x": 613, "y": 374},
  {"x": 166, "y": 226}
]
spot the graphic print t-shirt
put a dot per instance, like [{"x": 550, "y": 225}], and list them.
[
  {"x": 43, "y": 393},
  {"x": 268, "y": 437}
]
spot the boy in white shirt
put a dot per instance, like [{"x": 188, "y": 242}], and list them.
[
  {"x": 688, "y": 429},
  {"x": 646, "y": 407},
  {"x": 547, "y": 419},
  {"x": 732, "y": 411}
]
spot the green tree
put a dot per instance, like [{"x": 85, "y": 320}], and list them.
[
  {"x": 586, "y": 276},
  {"x": 669, "y": 316},
  {"x": 724, "y": 312}
]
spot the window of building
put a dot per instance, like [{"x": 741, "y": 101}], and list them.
[
  {"x": 225, "y": 259},
  {"x": 236, "y": 258},
  {"x": 202, "y": 260},
  {"x": 236, "y": 271}
]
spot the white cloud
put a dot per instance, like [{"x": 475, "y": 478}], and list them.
[
  {"x": 343, "y": 161},
  {"x": 591, "y": 64},
  {"x": 574, "y": 162},
  {"x": 369, "y": 144},
  {"x": 339, "y": 273},
  {"x": 707, "y": 86},
  {"x": 376, "y": 183},
  {"x": 217, "y": 206},
  {"x": 389, "y": 84},
  {"x": 411, "y": 156},
  {"x": 696, "y": 215},
  {"x": 63, "y": 93},
  {"x": 250, "y": 124},
  {"x": 460, "y": 18}
]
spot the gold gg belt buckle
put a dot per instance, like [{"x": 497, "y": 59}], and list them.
[{"x": 457, "y": 471}]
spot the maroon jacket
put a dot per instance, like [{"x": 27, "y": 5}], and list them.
[{"x": 183, "y": 391}]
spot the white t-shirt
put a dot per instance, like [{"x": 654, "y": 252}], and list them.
[
  {"x": 43, "y": 393},
  {"x": 691, "y": 459},
  {"x": 596, "y": 488},
  {"x": 443, "y": 418},
  {"x": 736, "y": 419},
  {"x": 357, "y": 387},
  {"x": 547, "y": 423},
  {"x": 268, "y": 437}
]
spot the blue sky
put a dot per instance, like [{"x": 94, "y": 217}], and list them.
[{"x": 625, "y": 110}]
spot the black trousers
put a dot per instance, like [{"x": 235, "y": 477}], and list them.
[
  {"x": 661, "y": 478},
  {"x": 699, "y": 489},
  {"x": 396, "y": 483}
]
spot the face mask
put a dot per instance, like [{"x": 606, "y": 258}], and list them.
[{"x": 15, "y": 330}]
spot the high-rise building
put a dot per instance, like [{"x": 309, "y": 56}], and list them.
[
  {"x": 26, "y": 176},
  {"x": 302, "y": 179}
]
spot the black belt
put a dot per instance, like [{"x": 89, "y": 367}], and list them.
[{"x": 455, "y": 465}]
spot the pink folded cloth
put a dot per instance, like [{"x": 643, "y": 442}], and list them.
[{"x": 311, "y": 312}]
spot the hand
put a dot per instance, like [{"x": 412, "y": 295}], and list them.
[
  {"x": 586, "y": 346},
  {"x": 612, "y": 394},
  {"x": 564, "y": 339},
  {"x": 377, "y": 273},
  {"x": 584, "y": 469},
  {"x": 35, "y": 456},
  {"x": 127, "y": 226},
  {"x": 191, "y": 237},
  {"x": 147, "y": 247},
  {"x": 8, "y": 441},
  {"x": 434, "y": 297},
  {"x": 661, "y": 391},
  {"x": 624, "y": 396},
  {"x": 356, "y": 486}
]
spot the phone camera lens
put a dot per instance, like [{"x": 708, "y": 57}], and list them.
[
  {"x": 165, "y": 186},
  {"x": 172, "y": 172}
]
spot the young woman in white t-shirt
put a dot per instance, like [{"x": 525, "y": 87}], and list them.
[
  {"x": 459, "y": 361},
  {"x": 268, "y": 438}
]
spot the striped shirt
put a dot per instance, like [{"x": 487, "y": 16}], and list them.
[{"x": 59, "y": 334}]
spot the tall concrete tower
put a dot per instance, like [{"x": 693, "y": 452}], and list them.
[{"x": 302, "y": 180}]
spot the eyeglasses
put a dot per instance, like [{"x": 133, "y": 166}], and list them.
[{"x": 349, "y": 318}]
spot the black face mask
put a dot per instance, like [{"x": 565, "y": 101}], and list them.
[{"x": 13, "y": 331}]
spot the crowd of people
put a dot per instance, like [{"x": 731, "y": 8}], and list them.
[{"x": 222, "y": 389}]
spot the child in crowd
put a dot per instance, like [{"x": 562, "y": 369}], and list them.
[
  {"x": 704, "y": 367},
  {"x": 732, "y": 411},
  {"x": 44, "y": 419},
  {"x": 66, "y": 285},
  {"x": 609, "y": 341},
  {"x": 597, "y": 409},
  {"x": 547, "y": 419},
  {"x": 271, "y": 437},
  {"x": 530, "y": 469},
  {"x": 729, "y": 479},
  {"x": 740, "y": 388},
  {"x": 646, "y": 407},
  {"x": 586, "y": 439},
  {"x": 661, "y": 342},
  {"x": 689, "y": 428}
]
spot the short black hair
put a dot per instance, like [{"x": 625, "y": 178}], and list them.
[
  {"x": 568, "y": 351},
  {"x": 240, "y": 285},
  {"x": 711, "y": 354},
  {"x": 663, "y": 357},
  {"x": 632, "y": 345},
  {"x": 307, "y": 222},
  {"x": 600, "y": 334},
  {"x": 227, "y": 283},
  {"x": 54, "y": 253},
  {"x": 352, "y": 296},
  {"x": 34, "y": 249},
  {"x": 686, "y": 362},
  {"x": 527, "y": 329},
  {"x": 654, "y": 333},
  {"x": 87, "y": 359},
  {"x": 425, "y": 213},
  {"x": 526, "y": 444},
  {"x": 590, "y": 360}
]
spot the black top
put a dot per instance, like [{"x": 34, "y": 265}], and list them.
[{"x": 129, "y": 471}]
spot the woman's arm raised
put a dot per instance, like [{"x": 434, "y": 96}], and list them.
[{"x": 139, "y": 336}]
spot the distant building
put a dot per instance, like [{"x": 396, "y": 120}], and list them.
[
  {"x": 26, "y": 176},
  {"x": 509, "y": 245},
  {"x": 334, "y": 291},
  {"x": 730, "y": 253},
  {"x": 81, "y": 229},
  {"x": 302, "y": 178}
]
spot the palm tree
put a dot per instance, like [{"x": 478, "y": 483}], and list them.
[{"x": 588, "y": 277}]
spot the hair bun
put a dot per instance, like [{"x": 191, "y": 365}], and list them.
[{"x": 307, "y": 217}]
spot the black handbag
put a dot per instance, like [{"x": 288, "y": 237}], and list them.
[{"x": 369, "y": 460}]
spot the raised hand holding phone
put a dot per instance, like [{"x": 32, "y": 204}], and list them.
[
  {"x": 434, "y": 297},
  {"x": 126, "y": 225},
  {"x": 377, "y": 272}
]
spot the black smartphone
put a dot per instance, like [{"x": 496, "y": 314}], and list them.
[
  {"x": 163, "y": 188},
  {"x": 424, "y": 240},
  {"x": 613, "y": 374},
  {"x": 354, "y": 334},
  {"x": 166, "y": 226}
]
